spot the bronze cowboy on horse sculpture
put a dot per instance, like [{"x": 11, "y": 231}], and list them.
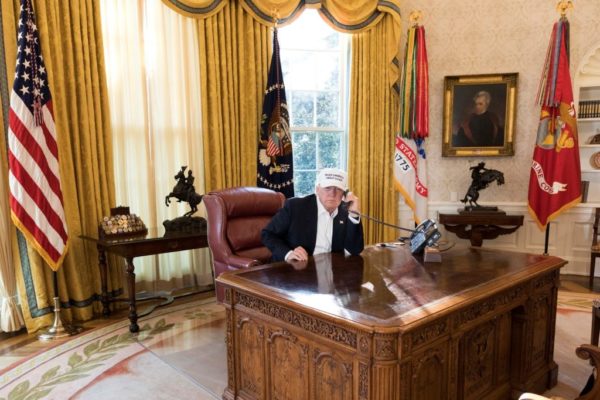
[
  {"x": 184, "y": 190},
  {"x": 482, "y": 177}
]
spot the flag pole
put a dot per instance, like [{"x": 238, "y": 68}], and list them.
[
  {"x": 37, "y": 207},
  {"x": 58, "y": 330},
  {"x": 555, "y": 178},
  {"x": 275, "y": 160},
  {"x": 410, "y": 157},
  {"x": 562, "y": 7},
  {"x": 546, "y": 240}
]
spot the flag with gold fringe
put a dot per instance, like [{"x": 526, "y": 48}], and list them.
[
  {"x": 555, "y": 179},
  {"x": 410, "y": 168},
  {"x": 36, "y": 200},
  {"x": 275, "y": 159}
]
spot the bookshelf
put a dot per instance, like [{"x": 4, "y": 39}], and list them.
[{"x": 587, "y": 100}]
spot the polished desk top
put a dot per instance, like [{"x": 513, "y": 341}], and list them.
[{"x": 388, "y": 286}]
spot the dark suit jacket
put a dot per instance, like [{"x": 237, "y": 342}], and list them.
[{"x": 296, "y": 225}]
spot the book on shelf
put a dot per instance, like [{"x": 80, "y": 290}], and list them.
[{"x": 589, "y": 109}]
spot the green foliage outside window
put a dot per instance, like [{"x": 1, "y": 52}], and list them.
[{"x": 314, "y": 63}]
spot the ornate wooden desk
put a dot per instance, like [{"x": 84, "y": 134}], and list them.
[
  {"x": 479, "y": 226},
  {"x": 155, "y": 242},
  {"x": 386, "y": 326}
]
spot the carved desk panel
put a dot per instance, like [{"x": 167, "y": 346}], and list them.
[{"x": 387, "y": 326}]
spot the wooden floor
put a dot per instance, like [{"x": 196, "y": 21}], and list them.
[
  {"x": 14, "y": 346},
  {"x": 579, "y": 284}
]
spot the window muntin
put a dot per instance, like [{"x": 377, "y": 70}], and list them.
[{"x": 315, "y": 66}]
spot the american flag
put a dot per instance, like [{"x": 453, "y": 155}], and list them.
[{"x": 35, "y": 193}]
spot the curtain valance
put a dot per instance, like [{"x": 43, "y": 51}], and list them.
[
  {"x": 348, "y": 16},
  {"x": 196, "y": 8}
]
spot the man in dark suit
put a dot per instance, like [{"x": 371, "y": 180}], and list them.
[{"x": 318, "y": 223}]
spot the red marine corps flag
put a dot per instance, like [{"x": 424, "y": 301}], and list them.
[
  {"x": 555, "y": 181},
  {"x": 36, "y": 200}
]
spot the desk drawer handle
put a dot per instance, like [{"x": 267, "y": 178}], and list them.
[{"x": 242, "y": 321}]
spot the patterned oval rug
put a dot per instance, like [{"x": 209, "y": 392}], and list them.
[
  {"x": 180, "y": 354},
  {"x": 109, "y": 362}
]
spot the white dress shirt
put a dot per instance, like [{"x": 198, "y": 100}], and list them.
[{"x": 325, "y": 229}]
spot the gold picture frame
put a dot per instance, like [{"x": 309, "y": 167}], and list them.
[{"x": 479, "y": 115}]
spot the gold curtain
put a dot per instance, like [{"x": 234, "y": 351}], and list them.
[
  {"x": 234, "y": 55},
  {"x": 374, "y": 100},
  {"x": 374, "y": 113},
  {"x": 156, "y": 124},
  {"x": 71, "y": 43}
]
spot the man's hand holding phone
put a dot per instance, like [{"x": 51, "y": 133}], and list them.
[{"x": 353, "y": 203}]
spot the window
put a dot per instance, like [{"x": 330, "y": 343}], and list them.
[{"x": 314, "y": 59}]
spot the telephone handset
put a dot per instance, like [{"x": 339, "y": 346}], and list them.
[
  {"x": 346, "y": 204},
  {"x": 425, "y": 234}
]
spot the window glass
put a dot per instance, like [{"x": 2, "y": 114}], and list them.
[
  {"x": 303, "y": 104},
  {"x": 330, "y": 148},
  {"x": 305, "y": 157},
  {"x": 314, "y": 59}
]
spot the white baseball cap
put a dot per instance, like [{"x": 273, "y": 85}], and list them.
[{"x": 333, "y": 177}]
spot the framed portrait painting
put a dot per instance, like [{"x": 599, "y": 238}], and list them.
[{"x": 479, "y": 115}]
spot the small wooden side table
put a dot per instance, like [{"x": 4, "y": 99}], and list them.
[
  {"x": 153, "y": 243},
  {"x": 477, "y": 226}
]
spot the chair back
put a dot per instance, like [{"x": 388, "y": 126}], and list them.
[{"x": 236, "y": 217}]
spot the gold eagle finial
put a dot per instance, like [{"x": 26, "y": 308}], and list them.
[
  {"x": 415, "y": 17},
  {"x": 563, "y": 6}
]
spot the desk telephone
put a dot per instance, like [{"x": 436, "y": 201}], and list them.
[{"x": 425, "y": 234}]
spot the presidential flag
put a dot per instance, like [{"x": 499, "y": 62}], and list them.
[
  {"x": 410, "y": 160},
  {"x": 35, "y": 192},
  {"x": 275, "y": 160},
  {"x": 555, "y": 179}
]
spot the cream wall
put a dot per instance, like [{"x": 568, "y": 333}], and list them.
[
  {"x": 498, "y": 36},
  {"x": 466, "y": 37}
]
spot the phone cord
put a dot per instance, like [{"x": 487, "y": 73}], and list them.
[{"x": 380, "y": 221}]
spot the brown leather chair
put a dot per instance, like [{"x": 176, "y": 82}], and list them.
[
  {"x": 585, "y": 352},
  {"x": 595, "y": 249},
  {"x": 236, "y": 218}
]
